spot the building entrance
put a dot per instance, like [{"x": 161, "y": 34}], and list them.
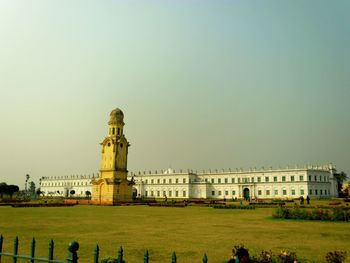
[{"x": 246, "y": 194}]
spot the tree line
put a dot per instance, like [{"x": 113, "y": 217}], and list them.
[{"x": 9, "y": 190}]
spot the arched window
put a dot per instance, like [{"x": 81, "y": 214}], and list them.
[{"x": 113, "y": 131}]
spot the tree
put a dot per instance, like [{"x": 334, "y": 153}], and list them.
[
  {"x": 3, "y": 187},
  {"x": 340, "y": 177},
  {"x": 11, "y": 189},
  {"x": 88, "y": 193},
  {"x": 72, "y": 192},
  {"x": 8, "y": 189},
  {"x": 39, "y": 192},
  {"x": 31, "y": 188},
  {"x": 27, "y": 179}
]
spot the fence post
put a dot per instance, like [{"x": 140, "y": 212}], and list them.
[
  {"x": 72, "y": 252},
  {"x": 32, "y": 251},
  {"x": 15, "y": 249},
  {"x": 205, "y": 258},
  {"x": 173, "y": 257},
  {"x": 146, "y": 257},
  {"x": 51, "y": 246},
  {"x": 120, "y": 255},
  {"x": 96, "y": 254},
  {"x": 1, "y": 241}
]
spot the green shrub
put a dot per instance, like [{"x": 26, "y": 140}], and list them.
[
  {"x": 337, "y": 256},
  {"x": 336, "y": 214}
]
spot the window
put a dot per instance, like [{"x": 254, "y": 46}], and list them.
[
  {"x": 321, "y": 192},
  {"x": 152, "y": 194},
  {"x": 320, "y": 178},
  {"x": 177, "y": 180},
  {"x": 119, "y": 132},
  {"x": 184, "y": 180},
  {"x": 212, "y": 192},
  {"x": 164, "y": 193},
  {"x": 212, "y": 180},
  {"x": 276, "y": 192},
  {"x": 275, "y": 178},
  {"x": 267, "y": 192},
  {"x": 310, "y": 192},
  {"x": 226, "y": 192},
  {"x": 309, "y": 177},
  {"x": 316, "y": 192},
  {"x": 284, "y": 192},
  {"x": 292, "y": 178},
  {"x": 233, "y": 192},
  {"x": 113, "y": 130},
  {"x": 164, "y": 181},
  {"x": 169, "y": 181},
  {"x": 293, "y": 192},
  {"x": 219, "y": 181},
  {"x": 239, "y": 180},
  {"x": 152, "y": 181},
  {"x": 184, "y": 193},
  {"x": 259, "y": 179},
  {"x": 170, "y": 193},
  {"x": 301, "y": 178},
  {"x": 158, "y": 193},
  {"x": 259, "y": 192},
  {"x": 266, "y": 179},
  {"x": 233, "y": 180},
  {"x": 219, "y": 193},
  {"x": 283, "y": 178},
  {"x": 315, "y": 177},
  {"x": 146, "y": 193},
  {"x": 252, "y": 179},
  {"x": 226, "y": 180},
  {"x": 176, "y": 193},
  {"x": 158, "y": 181},
  {"x": 301, "y": 191}
]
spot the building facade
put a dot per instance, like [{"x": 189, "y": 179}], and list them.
[
  {"x": 316, "y": 181},
  {"x": 64, "y": 185}
]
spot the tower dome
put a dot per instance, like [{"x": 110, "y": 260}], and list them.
[{"x": 116, "y": 116}]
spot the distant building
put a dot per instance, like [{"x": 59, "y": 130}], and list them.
[
  {"x": 63, "y": 185},
  {"x": 316, "y": 181},
  {"x": 113, "y": 184}
]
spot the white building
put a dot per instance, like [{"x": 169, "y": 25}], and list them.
[
  {"x": 315, "y": 181},
  {"x": 63, "y": 185}
]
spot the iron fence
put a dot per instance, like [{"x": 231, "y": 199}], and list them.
[{"x": 72, "y": 254}]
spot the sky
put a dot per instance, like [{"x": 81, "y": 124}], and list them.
[{"x": 202, "y": 84}]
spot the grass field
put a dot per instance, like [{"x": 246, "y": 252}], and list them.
[{"x": 190, "y": 231}]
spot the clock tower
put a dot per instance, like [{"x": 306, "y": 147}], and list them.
[{"x": 112, "y": 186}]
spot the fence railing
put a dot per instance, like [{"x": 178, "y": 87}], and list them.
[{"x": 72, "y": 255}]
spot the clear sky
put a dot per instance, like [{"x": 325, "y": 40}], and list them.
[{"x": 203, "y": 84}]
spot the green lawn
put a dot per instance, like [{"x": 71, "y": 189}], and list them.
[{"x": 189, "y": 231}]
